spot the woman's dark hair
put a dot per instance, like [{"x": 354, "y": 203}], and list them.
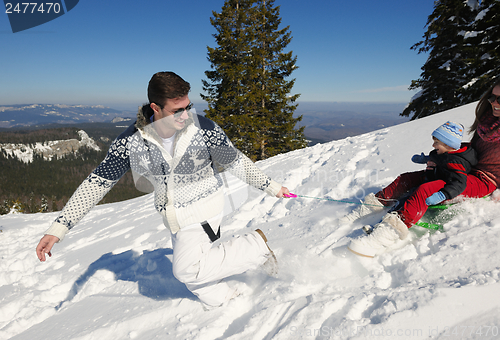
[{"x": 483, "y": 106}]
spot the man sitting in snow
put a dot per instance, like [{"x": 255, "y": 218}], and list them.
[
  {"x": 444, "y": 178},
  {"x": 179, "y": 154}
]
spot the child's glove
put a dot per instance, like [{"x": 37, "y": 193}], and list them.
[
  {"x": 420, "y": 159},
  {"x": 435, "y": 198}
]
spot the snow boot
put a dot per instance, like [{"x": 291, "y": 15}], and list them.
[
  {"x": 271, "y": 265},
  {"x": 370, "y": 205},
  {"x": 384, "y": 234}
]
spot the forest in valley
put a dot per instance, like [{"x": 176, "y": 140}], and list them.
[{"x": 43, "y": 185}]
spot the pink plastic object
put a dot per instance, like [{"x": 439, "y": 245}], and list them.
[{"x": 290, "y": 195}]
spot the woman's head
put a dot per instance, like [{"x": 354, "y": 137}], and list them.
[
  {"x": 485, "y": 105},
  {"x": 494, "y": 100}
]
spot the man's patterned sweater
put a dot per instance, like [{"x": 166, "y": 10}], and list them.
[{"x": 188, "y": 187}]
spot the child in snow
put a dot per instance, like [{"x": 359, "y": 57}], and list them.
[{"x": 444, "y": 178}]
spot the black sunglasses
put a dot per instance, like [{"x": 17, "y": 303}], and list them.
[
  {"x": 494, "y": 98},
  {"x": 179, "y": 112}
]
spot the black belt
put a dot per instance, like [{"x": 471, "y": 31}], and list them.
[{"x": 210, "y": 232}]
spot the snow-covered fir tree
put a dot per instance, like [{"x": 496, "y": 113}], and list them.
[
  {"x": 17, "y": 207},
  {"x": 483, "y": 40},
  {"x": 44, "y": 205},
  {"x": 444, "y": 73}
]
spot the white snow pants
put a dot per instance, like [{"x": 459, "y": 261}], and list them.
[{"x": 201, "y": 265}]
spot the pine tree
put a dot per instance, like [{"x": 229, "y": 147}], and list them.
[
  {"x": 32, "y": 206},
  {"x": 4, "y": 207},
  {"x": 444, "y": 73},
  {"x": 247, "y": 91},
  {"x": 484, "y": 39},
  {"x": 17, "y": 207},
  {"x": 44, "y": 205},
  {"x": 54, "y": 203}
]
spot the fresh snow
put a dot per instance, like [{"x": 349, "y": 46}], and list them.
[{"x": 111, "y": 278}]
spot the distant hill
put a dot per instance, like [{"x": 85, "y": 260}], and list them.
[
  {"x": 328, "y": 121},
  {"x": 41, "y": 168},
  {"x": 40, "y": 114},
  {"x": 323, "y": 121},
  {"x": 339, "y": 125},
  {"x": 48, "y": 150}
]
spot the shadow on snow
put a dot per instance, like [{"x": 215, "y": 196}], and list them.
[{"x": 152, "y": 271}]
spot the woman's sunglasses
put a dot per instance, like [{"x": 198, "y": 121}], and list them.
[{"x": 493, "y": 99}]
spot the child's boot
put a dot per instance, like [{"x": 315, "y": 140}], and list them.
[{"x": 370, "y": 205}]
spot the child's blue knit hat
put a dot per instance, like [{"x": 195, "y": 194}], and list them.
[{"x": 450, "y": 133}]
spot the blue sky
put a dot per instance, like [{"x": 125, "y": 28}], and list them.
[{"x": 104, "y": 52}]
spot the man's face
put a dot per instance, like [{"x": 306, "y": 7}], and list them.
[{"x": 166, "y": 123}]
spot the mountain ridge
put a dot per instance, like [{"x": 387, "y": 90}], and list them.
[
  {"x": 24, "y": 115},
  {"x": 49, "y": 149}
]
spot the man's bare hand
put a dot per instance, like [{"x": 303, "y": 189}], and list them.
[
  {"x": 45, "y": 246},
  {"x": 283, "y": 191}
]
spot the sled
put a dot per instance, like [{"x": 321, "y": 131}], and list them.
[{"x": 437, "y": 215}]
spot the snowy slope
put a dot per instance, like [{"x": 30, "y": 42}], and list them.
[{"x": 111, "y": 278}]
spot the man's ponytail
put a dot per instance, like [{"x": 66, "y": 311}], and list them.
[{"x": 147, "y": 111}]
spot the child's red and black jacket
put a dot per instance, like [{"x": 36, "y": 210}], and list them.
[{"x": 452, "y": 167}]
